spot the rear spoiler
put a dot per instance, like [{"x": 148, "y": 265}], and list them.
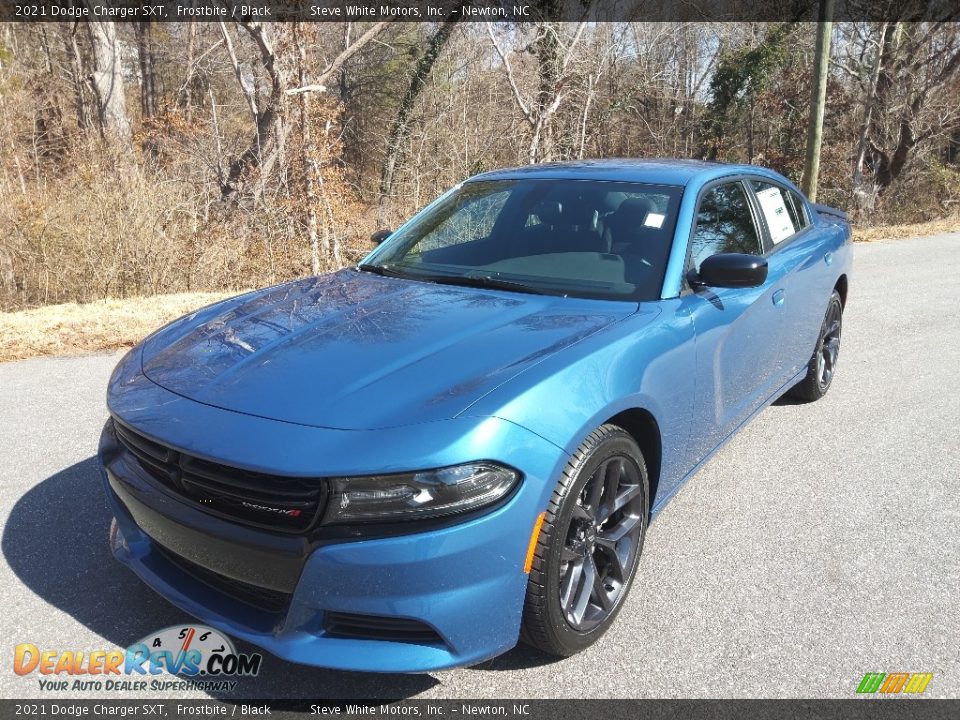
[{"x": 833, "y": 212}]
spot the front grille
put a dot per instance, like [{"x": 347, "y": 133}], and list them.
[
  {"x": 259, "y": 597},
  {"x": 283, "y": 504},
  {"x": 376, "y": 627}
]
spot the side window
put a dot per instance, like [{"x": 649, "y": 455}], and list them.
[
  {"x": 800, "y": 208},
  {"x": 724, "y": 224},
  {"x": 782, "y": 210}
]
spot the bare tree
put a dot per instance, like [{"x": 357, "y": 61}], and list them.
[
  {"x": 908, "y": 74},
  {"x": 401, "y": 124},
  {"x": 287, "y": 136},
  {"x": 323, "y": 238},
  {"x": 278, "y": 60},
  {"x": 107, "y": 78},
  {"x": 81, "y": 88},
  {"x": 554, "y": 54}
]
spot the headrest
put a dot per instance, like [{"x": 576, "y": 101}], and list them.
[
  {"x": 632, "y": 212},
  {"x": 549, "y": 213},
  {"x": 579, "y": 214},
  {"x": 612, "y": 200}
]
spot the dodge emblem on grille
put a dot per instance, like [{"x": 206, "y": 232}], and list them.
[{"x": 267, "y": 508}]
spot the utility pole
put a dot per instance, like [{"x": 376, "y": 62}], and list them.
[{"x": 811, "y": 168}]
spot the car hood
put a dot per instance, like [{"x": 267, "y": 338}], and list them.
[{"x": 352, "y": 350}]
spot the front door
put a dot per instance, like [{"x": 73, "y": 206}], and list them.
[{"x": 738, "y": 330}]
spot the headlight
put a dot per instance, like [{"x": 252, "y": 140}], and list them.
[{"x": 426, "y": 494}]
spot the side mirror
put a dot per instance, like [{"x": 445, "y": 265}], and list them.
[
  {"x": 380, "y": 235},
  {"x": 732, "y": 270}
]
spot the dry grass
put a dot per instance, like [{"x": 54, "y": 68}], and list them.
[
  {"x": 72, "y": 329},
  {"x": 895, "y": 232}
]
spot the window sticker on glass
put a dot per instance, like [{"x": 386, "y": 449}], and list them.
[
  {"x": 775, "y": 213},
  {"x": 654, "y": 220}
]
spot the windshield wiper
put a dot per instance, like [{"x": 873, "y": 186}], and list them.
[
  {"x": 486, "y": 281},
  {"x": 480, "y": 281},
  {"x": 385, "y": 270}
]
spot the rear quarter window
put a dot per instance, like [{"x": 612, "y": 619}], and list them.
[{"x": 782, "y": 210}]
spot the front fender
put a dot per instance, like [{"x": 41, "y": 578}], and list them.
[{"x": 646, "y": 361}]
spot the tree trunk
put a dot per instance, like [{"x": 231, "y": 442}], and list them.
[
  {"x": 8, "y": 279},
  {"x": 80, "y": 88},
  {"x": 308, "y": 158},
  {"x": 108, "y": 79},
  {"x": 585, "y": 116},
  {"x": 271, "y": 125},
  {"x": 269, "y": 119},
  {"x": 864, "y": 193},
  {"x": 547, "y": 50},
  {"x": 185, "y": 94},
  {"x": 148, "y": 95}
]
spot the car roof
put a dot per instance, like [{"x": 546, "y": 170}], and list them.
[{"x": 655, "y": 171}]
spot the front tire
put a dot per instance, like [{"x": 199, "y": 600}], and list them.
[
  {"x": 823, "y": 364},
  {"x": 589, "y": 545}
]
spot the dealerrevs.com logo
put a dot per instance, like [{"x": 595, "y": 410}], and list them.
[{"x": 199, "y": 656}]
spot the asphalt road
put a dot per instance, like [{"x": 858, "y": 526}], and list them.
[{"x": 822, "y": 543}]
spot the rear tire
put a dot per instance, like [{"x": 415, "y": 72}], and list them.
[
  {"x": 589, "y": 545},
  {"x": 823, "y": 364}
]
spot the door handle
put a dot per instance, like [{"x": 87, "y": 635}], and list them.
[
  {"x": 828, "y": 258},
  {"x": 778, "y": 298}
]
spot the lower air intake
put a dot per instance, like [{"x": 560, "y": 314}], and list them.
[
  {"x": 374, "y": 627},
  {"x": 259, "y": 597}
]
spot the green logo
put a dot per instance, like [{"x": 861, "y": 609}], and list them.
[{"x": 894, "y": 683}]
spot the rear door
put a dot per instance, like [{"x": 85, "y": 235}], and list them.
[
  {"x": 791, "y": 246},
  {"x": 738, "y": 329}
]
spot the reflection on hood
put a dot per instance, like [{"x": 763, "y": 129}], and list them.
[{"x": 357, "y": 351}]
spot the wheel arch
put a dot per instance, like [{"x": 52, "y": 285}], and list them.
[
  {"x": 841, "y": 287},
  {"x": 642, "y": 426}
]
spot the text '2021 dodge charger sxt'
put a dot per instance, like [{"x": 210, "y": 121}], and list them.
[{"x": 418, "y": 461}]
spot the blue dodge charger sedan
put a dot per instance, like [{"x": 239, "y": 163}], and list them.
[{"x": 457, "y": 444}]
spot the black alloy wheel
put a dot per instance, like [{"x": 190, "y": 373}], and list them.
[
  {"x": 602, "y": 541},
  {"x": 589, "y": 544},
  {"x": 829, "y": 346},
  {"x": 823, "y": 365}
]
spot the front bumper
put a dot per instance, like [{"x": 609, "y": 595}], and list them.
[{"x": 464, "y": 581}]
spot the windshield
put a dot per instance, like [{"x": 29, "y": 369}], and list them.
[{"x": 583, "y": 238}]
